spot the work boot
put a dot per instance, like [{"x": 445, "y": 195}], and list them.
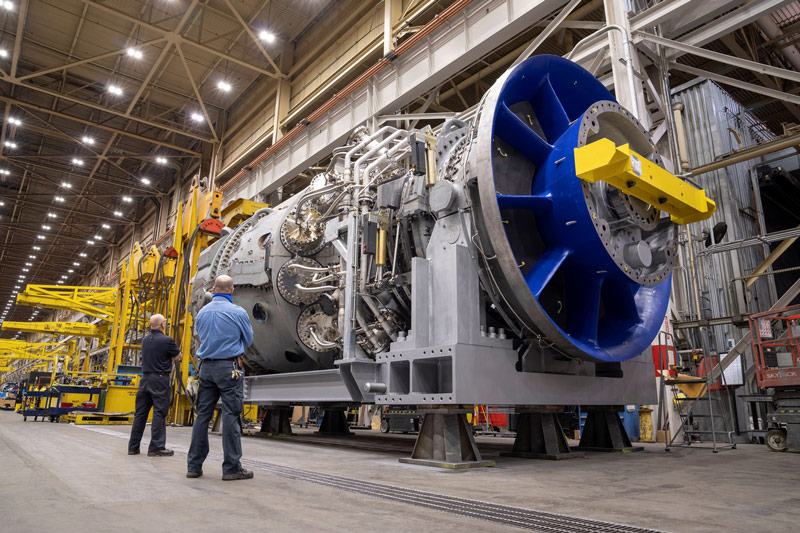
[
  {"x": 191, "y": 474},
  {"x": 161, "y": 453},
  {"x": 241, "y": 474},
  {"x": 133, "y": 452}
]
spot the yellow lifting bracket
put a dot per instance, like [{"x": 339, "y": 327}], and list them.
[{"x": 639, "y": 177}]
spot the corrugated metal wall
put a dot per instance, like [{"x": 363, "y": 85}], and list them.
[{"x": 715, "y": 125}]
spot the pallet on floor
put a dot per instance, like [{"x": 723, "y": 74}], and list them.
[{"x": 100, "y": 418}]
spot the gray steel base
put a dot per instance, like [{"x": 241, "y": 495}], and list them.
[
  {"x": 604, "y": 432},
  {"x": 445, "y": 441},
  {"x": 540, "y": 436}
]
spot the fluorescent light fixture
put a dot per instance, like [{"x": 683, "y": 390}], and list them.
[
  {"x": 115, "y": 90},
  {"x": 161, "y": 160},
  {"x": 87, "y": 140},
  {"x": 10, "y": 144},
  {"x": 146, "y": 181},
  {"x": 28, "y": 264},
  {"x": 117, "y": 213},
  {"x": 26, "y": 270},
  {"x": 41, "y": 237},
  {"x": 37, "y": 248},
  {"x": 98, "y": 238},
  {"x": 59, "y": 199},
  {"x": 223, "y": 85},
  {"x": 127, "y": 199},
  {"x": 266, "y": 36},
  {"x": 134, "y": 53},
  {"x": 76, "y": 264},
  {"x": 46, "y": 227},
  {"x": 82, "y": 254},
  {"x": 32, "y": 257},
  {"x": 106, "y": 226},
  {"x": 52, "y": 215},
  {"x": 63, "y": 277},
  {"x": 89, "y": 241},
  {"x": 60, "y": 282},
  {"x": 70, "y": 271}
]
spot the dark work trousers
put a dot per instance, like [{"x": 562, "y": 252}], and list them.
[
  {"x": 216, "y": 382},
  {"x": 154, "y": 391}
]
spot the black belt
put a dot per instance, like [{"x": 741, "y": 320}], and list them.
[
  {"x": 156, "y": 373},
  {"x": 234, "y": 358}
]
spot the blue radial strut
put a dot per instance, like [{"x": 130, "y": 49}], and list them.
[{"x": 597, "y": 307}]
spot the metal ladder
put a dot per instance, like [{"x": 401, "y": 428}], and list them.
[{"x": 718, "y": 410}]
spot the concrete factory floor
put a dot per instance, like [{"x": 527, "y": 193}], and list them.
[{"x": 68, "y": 478}]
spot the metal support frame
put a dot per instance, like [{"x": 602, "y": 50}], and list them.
[
  {"x": 445, "y": 441},
  {"x": 540, "y": 436},
  {"x": 604, "y": 432}
]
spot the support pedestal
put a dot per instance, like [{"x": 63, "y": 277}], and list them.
[
  {"x": 334, "y": 422},
  {"x": 445, "y": 441},
  {"x": 604, "y": 432},
  {"x": 277, "y": 422},
  {"x": 540, "y": 436}
]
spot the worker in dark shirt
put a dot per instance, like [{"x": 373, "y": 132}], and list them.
[{"x": 158, "y": 353}]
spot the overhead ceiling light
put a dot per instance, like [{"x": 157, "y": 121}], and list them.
[
  {"x": 82, "y": 254},
  {"x": 89, "y": 241},
  {"x": 2, "y": 204},
  {"x": 60, "y": 282},
  {"x": 59, "y": 199},
  {"x": 8, "y": 6},
  {"x": 26, "y": 270},
  {"x": 70, "y": 271},
  {"x": 52, "y": 215},
  {"x": 76, "y": 264},
  {"x": 3, "y": 52},
  {"x": 134, "y": 53},
  {"x": 77, "y": 162},
  {"x": 28, "y": 264},
  {"x": 127, "y": 199},
  {"x": 161, "y": 160},
  {"x": 115, "y": 89},
  {"x": 266, "y": 36},
  {"x": 117, "y": 213},
  {"x": 37, "y": 248},
  {"x": 87, "y": 140},
  {"x": 5, "y": 171},
  {"x": 106, "y": 226},
  {"x": 41, "y": 237},
  {"x": 15, "y": 121},
  {"x": 98, "y": 238},
  {"x": 146, "y": 181},
  {"x": 32, "y": 256},
  {"x": 197, "y": 117},
  {"x": 64, "y": 277},
  {"x": 46, "y": 227},
  {"x": 10, "y": 144},
  {"x": 223, "y": 85}
]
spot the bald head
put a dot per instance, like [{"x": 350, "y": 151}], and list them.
[
  {"x": 223, "y": 285},
  {"x": 157, "y": 322}
]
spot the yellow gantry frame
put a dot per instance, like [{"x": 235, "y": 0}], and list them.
[
  {"x": 639, "y": 177},
  {"x": 93, "y": 301}
]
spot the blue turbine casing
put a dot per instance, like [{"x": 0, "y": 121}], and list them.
[{"x": 591, "y": 301}]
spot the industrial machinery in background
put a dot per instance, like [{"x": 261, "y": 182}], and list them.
[{"x": 519, "y": 256}]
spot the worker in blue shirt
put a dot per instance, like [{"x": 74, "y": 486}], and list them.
[{"x": 224, "y": 331}]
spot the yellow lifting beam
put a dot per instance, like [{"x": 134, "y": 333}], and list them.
[
  {"x": 79, "y": 329},
  {"x": 639, "y": 177},
  {"x": 93, "y": 301}
]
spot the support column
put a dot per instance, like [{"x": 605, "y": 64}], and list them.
[
  {"x": 445, "y": 441},
  {"x": 392, "y": 10},
  {"x": 283, "y": 93},
  {"x": 334, "y": 422},
  {"x": 540, "y": 436},
  {"x": 604, "y": 432},
  {"x": 627, "y": 89},
  {"x": 277, "y": 422}
]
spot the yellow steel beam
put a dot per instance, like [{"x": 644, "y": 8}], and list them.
[
  {"x": 93, "y": 301},
  {"x": 636, "y": 176},
  {"x": 7, "y": 368},
  {"x": 79, "y": 329},
  {"x": 240, "y": 210}
]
